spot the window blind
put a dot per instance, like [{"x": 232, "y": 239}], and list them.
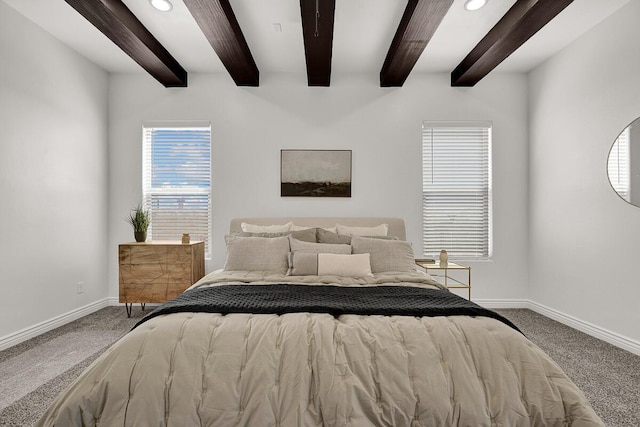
[
  {"x": 618, "y": 165},
  {"x": 456, "y": 189},
  {"x": 177, "y": 181}
]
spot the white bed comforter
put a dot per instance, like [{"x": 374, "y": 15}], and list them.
[{"x": 302, "y": 369}]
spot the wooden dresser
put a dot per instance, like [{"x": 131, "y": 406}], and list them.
[{"x": 158, "y": 271}]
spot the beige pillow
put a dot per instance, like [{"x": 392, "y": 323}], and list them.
[
  {"x": 378, "y": 230},
  {"x": 299, "y": 246},
  {"x": 300, "y": 227},
  {"x": 304, "y": 235},
  {"x": 386, "y": 255},
  {"x": 344, "y": 265},
  {"x": 278, "y": 228},
  {"x": 257, "y": 254},
  {"x": 303, "y": 264},
  {"x": 324, "y": 236}
]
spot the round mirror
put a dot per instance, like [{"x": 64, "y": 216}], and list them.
[{"x": 623, "y": 165}]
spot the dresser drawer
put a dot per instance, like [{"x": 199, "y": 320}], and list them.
[
  {"x": 155, "y": 273},
  {"x": 155, "y": 254}
]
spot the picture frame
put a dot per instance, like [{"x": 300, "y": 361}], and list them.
[{"x": 315, "y": 173}]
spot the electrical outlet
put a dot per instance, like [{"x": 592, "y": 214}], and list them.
[{"x": 80, "y": 287}]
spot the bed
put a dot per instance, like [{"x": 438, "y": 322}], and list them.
[{"x": 302, "y": 328}]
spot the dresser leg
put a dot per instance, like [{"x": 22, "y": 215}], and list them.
[
  {"x": 142, "y": 305},
  {"x": 128, "y": 307}
]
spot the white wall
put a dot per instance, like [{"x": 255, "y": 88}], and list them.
[
  {"x": 381, "y": 125},
  {"x": 584, "y": 239},
  {"x": 53, "y": 176}
]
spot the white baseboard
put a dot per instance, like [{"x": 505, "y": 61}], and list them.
[
  {"x": 603, "y": 334},
  {"x": 612, "y": 338},
  {"x": 606, "y": 335},
  {"x": 42, "y": 327}
]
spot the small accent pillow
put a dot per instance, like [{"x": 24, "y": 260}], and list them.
[
  {"x": 378, "y": 230},
  {"x": 308, "y": 235},
  {"x": 257, "y": 254},
  {"x": 303, "y": 264},
  {"x": 299, "y": 246},
  {"x": 386, "y": 255},
  {"x": 278, "y": 228},
  {"x": 358, "y": 265},
  {"x": 306, "y": 264}
]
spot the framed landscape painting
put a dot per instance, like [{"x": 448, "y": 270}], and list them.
[{"x": 315, "y": 173}]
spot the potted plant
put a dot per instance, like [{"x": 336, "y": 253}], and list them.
[{"x": 139, "y": 219}]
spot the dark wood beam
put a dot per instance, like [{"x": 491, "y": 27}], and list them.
[
  {"x": 419, "y": 22},
  {"x": 317, "y": 32},
  {"x": 120, "y": 25},
  {"x": 220, "y": 26},
  {"x": 523, "y": 20}
]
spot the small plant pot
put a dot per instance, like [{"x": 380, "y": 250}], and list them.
[{"x": 141, "y": 236}]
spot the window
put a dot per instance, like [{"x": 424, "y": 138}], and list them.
[
  {"x": 456, "y": 189},
  {"x": 618, "y": 165},
  {"x": 176, "y": 169}
]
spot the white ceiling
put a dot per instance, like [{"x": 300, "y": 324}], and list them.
[{"x": 362, "y": 34}]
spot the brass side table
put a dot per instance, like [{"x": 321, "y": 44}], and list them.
[{"x": 447, "y": 273}]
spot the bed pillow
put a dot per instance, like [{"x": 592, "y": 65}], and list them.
[
  {"x": 308, "y": 235},
  {"x": 358, "y": 265},
  {"x": 257, "y": 253},
  {"x": 300, "y": 246},
  {"x": 306, "y": 263},
  {"x": 278, "y": 228},
  {"x": 324, "y": 236},
  {"x": 386, "y": 255},
  {"x": 378, "y": 230},
  {"x": 301, "y": 227}
]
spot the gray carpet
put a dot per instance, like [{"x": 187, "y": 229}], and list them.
[{"x": 609, "y": 377}]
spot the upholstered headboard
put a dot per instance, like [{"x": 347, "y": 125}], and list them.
[{"x": 396, "y": 225}]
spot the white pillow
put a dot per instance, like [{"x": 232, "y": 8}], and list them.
[
  {"x": 378, "y": 230},
  {"x": 278, "y": 228},
  {"x": 344, "y": 265},
  {"x": 299, "y": 227}
]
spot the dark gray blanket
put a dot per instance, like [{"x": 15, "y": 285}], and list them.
[{"x": 334, "y": 300}]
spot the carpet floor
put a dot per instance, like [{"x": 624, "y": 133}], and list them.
[{"x": 34, "y": 372}]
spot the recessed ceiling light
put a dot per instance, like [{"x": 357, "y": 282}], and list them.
[
  {"x": 474, "y": 4},
  {"x": 161, "y": 5}
]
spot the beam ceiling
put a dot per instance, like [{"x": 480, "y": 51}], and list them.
[
  {"x": 419, "y": 22},
  {"x": 523, "y": 20},
  {"x": 120, "y": 25},
  {"x": 220, "y": 26},
  {"x": 317, "y": 30}
]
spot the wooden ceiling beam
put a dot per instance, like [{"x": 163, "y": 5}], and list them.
[
  {"x": 317, "y": 32},
  {"x": 519, "y": 24},
  {"x": 220, "y": 26},
  {"x": 419, "y": 22},
  {"x": 120, "y": 25}
]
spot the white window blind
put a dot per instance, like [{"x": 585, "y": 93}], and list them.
[
  {"x": 618, "y": 165},
  {"x": 456, "y": 189},
  {"x": 177, "y": 180}
]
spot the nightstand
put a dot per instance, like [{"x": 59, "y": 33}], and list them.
[
  {"x": 158, "y": 271},
  {"x": 451, "y": 276}
]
